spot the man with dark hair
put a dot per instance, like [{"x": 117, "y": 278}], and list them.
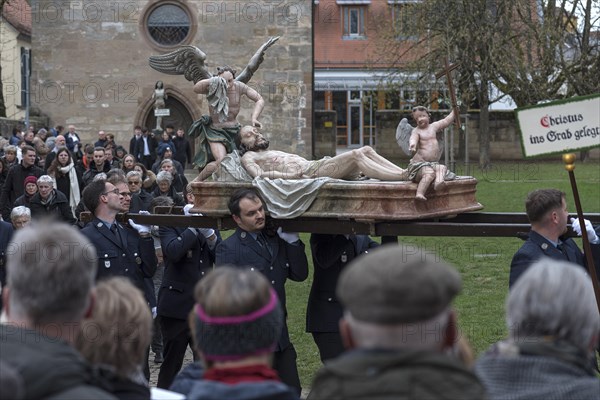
[
  {"x": 548, "y": 215},
  {"x": 145, "y": 147},
  {"x": 183, "y": 150},
  {"x": 399, "y": 329},
  {"x": 120, "y": 252},
  {"x": 99, "y": 164},
  {"x": 278, "y": 256},
  {"x": 49, "y": 292},
  {"x": 14, "y": 184}
]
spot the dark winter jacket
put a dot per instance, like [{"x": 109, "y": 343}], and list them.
[{"x": 50, "y": 368}]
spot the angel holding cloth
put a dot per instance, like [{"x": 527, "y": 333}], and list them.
[{"x": 219, "y": 131}]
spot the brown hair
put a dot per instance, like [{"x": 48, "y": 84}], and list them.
[
  {"x": 540, "y": 202},
  {"x": 120, "y": 329}
]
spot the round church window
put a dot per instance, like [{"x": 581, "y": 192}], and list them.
[{"x": 168, "y": 24}]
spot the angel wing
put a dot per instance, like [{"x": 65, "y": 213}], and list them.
[
  {"x": 403, "y": 132},
  {"x": 186, "y": 60},
  {"x": 256, "y": 60}
]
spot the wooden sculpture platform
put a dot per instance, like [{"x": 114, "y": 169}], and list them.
[{"x": 370, "y": 200}]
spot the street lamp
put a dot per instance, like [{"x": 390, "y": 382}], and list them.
[{"x": 25, "y": 63}]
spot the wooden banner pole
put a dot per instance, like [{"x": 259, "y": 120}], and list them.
[{"x": 569, "y": 160}]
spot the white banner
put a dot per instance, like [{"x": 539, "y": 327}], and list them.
[{"x": 561, "y": 126}]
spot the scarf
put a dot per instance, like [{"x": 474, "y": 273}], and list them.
[
  {"x": 74, "y": 195},
  {"x": 250, "y": 373}
]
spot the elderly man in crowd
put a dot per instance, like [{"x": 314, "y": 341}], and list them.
[
  {"x": 399, "y": 329},
  {"x": 50, "y": 278},
  {"x": 553, "y": 325}
]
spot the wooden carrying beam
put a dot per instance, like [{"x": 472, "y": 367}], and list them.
[{"x": 462, "y": 225}]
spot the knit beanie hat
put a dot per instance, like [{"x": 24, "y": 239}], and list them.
[
  {"x": 236, "y": 337},
  {"x": 30, "y": 179}
]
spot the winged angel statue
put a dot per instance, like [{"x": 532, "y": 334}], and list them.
[
  {"x": 218, "y": 132},
  {"x": 425, "y": 147}
]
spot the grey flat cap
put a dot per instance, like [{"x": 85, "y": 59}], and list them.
[{"x": 397, "y": 284}]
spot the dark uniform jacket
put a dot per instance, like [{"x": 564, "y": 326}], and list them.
[
  {"x": 187, "y": 260},
  {"x": 287, "y": 261},
  {"x": 537, "y": 246},
  {"x": 331, "y": 254},
  {"x": 132, "y": 256}
]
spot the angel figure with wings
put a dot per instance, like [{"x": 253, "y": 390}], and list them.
[
  {"x": 218, "y": 132},
  {"x": 422, "y": 143}
]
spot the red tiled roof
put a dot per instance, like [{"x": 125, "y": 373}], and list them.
[{"x": 18, "y": 14}]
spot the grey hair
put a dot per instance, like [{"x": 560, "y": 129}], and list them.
[
  {"x": 164, "y": 176},
  {"x": 45, "y": 179},
  {"x": 10, "y": 148},
  {"x": 20, "y": 211},
  {"x": 425, "y": 335},
  {"x": 100, "y": 177},
  {"x": 51, "y": 270},
  {"x": 553, "y": 298},
  {"x": 134, "y": 174},
  {"x": 166, "y": 161}
]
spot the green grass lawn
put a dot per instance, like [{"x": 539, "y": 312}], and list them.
[{"x": 482, "y": 262}]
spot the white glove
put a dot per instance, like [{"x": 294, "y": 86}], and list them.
[
  {"x": 141, "y": 229},
  {"x": 207, "y": 232},
  {"x": 154, "y": 313},
  {"x": 592, "y": 236},
  {"x": 187, "y": 208},
  {"x": 290, "y": 237}
]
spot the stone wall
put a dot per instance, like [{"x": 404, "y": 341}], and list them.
[{"x": 90, "y": 64}]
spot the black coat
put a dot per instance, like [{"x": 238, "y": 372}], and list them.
[
  {"x": 183, "y": 150},
  {"x": 288, "y": 261},
  {"x": 177, "y": 198},
  {"x": 89, "y": 175},
  {"x": 58, "y": 208},
  {"x": 133, "y": 256},
  {"x": 330, "y": 254},
  {"x": 138, "y": 147},
  {"x": 63, "y": 182},
  {"x": 537, "y": 246},
  {"x": 187, "y": 260},
  {"x": 140, "y": 201}
]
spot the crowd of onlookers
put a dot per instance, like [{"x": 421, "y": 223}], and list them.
[
  {"x": 46, "y": 171},
  {"x": 83, "y": 305}
]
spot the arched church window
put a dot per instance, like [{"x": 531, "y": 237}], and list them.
[{"x": 168, "y": 24}]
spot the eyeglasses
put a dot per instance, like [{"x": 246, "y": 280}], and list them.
[
  {"x": 115, "y": 191},
  {"x": 134, "y": 182},
  {"x": 125, "y": 194}
]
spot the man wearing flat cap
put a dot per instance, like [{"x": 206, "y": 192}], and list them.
[{"x": 399, "y": 330}]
